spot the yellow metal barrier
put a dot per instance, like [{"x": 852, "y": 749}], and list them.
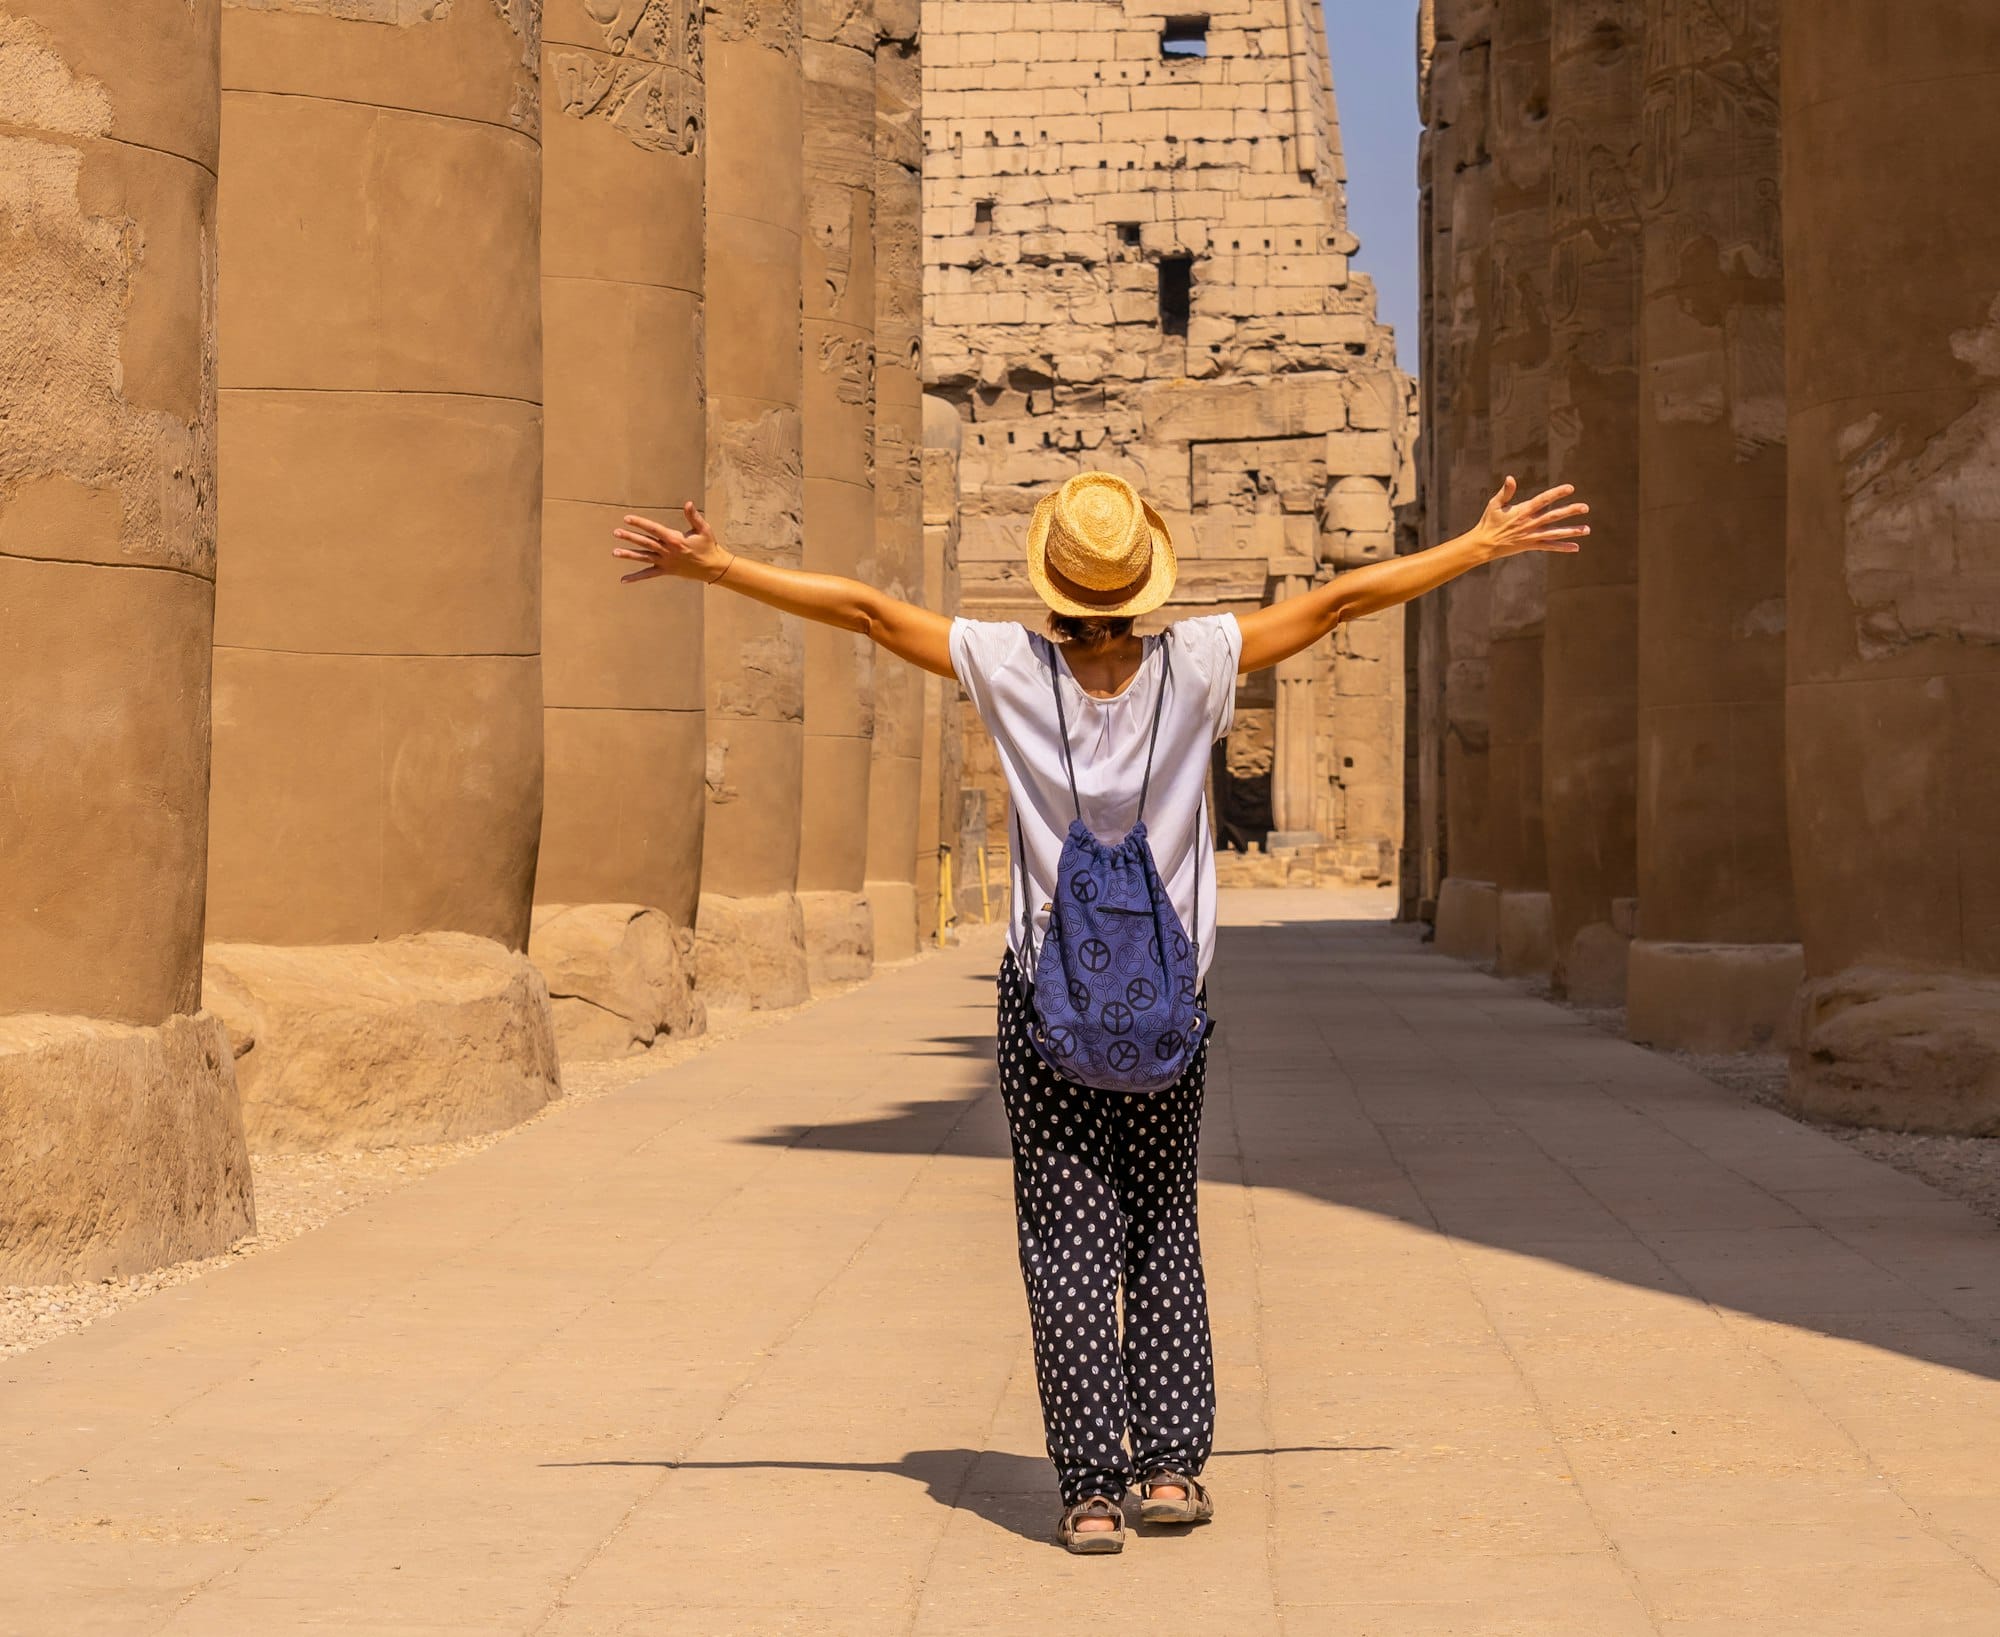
[
  {"x": 946, "y": 892},
  {"x": 985, "y": 892}
]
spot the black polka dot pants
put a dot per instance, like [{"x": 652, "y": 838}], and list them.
[{"x": 1104, "y": 1190}]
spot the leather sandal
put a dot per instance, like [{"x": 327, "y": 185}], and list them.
[
  {"x": 1092, "y": 1542},
  {"x": 1193, "y": 1507}
]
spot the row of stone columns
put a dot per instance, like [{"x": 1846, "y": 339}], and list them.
[
  {"x": 1688, "y": 259},
  {"x": 338, "y": 337}
]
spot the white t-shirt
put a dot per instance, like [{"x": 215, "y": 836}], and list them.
[{"x": 1005, "y": 670}]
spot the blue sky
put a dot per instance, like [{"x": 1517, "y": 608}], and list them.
[{"x": 1374, "y": 48}]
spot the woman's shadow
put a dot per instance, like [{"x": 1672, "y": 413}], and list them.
[{"x": 1015, "y": 1492}]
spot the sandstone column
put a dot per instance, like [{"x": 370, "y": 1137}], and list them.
[
  {"x": 1424, "y": 627},
  {"x": 1715, "y": 966},
  {"x": 1892, "y": 161},
  {"x": 751, "y": 945},
  {"x": 904, "y": 732},
  {"x": 942, "y": 767},
  {"x": 1518, "y": 316},
  {"x": 121, "y": 1144},
  {"x": 1294, "y": 740},
  {"x": 1468, "y": 900},
  {"x": 620, "y": 862},
  {"x": 838, "y": 62},
  {"x": 1590, "y": 641},
  {"x": 378, "y": 694}
]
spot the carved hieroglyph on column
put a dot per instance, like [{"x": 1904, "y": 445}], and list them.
[
  {"x": 1589, "y": 645},
  {"x": 750, "y": 948},
  {"x": 1468, "y": 901},
  {"x": 905, "y": 732},
  {"x": 378, "y": 688},
  {"x": 838, "y": 57},
  {"x": 1715, "y": 965},
  {"x": 1518, "y": 317},
  {"x": 1893, "y": 609},
  {"x": 625, "y": 432},
  {"x": 121, "y": 1146}
]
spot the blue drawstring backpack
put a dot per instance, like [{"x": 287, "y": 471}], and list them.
[{"x": 1115, "y": 996}]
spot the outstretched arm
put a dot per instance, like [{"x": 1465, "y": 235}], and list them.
[
  {"x": 694, "y": 553},
  {"x": 1289, "y": 627}
]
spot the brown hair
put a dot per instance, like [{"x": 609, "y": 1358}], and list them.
[{"x": 1089, "y": 631}]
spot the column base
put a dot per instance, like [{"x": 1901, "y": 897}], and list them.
[
  {"x": 894, "y": 903},
  {"x": 751, "y": 952},
  {"x": 1912, "y": 1051},
  {"x": 840, "y": 937},
  {"x": 1527, "y": 938},
  {"x": 1468, "y": 920},
  {"x": 620, "y": 977},
  {"x": 1593, "y": 968},
  {"x": 1712, "y": 997},
  {"x": 415, "y": 1040},
  {"x": 123, "y": 1148}
]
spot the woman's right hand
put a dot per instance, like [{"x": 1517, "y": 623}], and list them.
[
  {"x": 1541, "y": 524},
  {"x": 692, "y": 553}
]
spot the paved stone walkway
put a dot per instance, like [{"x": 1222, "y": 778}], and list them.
[{"x": 1520, "y": 1329}]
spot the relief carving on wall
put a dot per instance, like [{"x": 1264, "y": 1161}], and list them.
[
  {"x": 649, "y": 86},
  {"x": 773, "y": 24},
  {"x": 1918, "y": 509}
]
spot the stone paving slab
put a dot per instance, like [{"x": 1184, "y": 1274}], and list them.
[{"x": 1520, "y": 1330}]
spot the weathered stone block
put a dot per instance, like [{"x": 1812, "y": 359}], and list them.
[
  {"x": 1357, "y": 454},
  {"x": 751, "y": 952},
  {"x": 413, "y": 1040},
  {"x": 1913, "y": 1051},
  {"x": 121, "y": 1147},
  {"x": 1713, "y": 997},
  {"x": 840, "y": 937},
  {"x": 1468, "y": 920},
  {"x": 620, "y": 976}
]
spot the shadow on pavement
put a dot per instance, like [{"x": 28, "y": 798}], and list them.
[
  {"x": 1363, "y": 1071},
  {"x": 1011, "y": 1491}
]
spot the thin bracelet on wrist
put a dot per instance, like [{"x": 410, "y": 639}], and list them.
[{"x": 726, "y": 567}]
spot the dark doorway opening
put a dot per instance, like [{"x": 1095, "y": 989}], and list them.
[{"x": 1176, "y": 293}]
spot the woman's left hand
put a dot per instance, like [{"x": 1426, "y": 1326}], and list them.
[
  {"x": 1541, "y": 524},
  {"x": 690, "y": 554}
]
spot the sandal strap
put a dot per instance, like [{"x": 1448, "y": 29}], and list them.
[
  {"x": 1179, "y": 1480},
  {"x": 1096, "y": 1506}
]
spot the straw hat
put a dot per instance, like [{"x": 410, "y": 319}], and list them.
[{"x": 1094, "y": 547}]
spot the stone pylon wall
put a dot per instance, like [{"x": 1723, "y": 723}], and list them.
[
  {"x": 839, "y": 286},
  {"x": 751, "y": 944},
  {"x": 1138, "y": 261},
  {"x": 1893, "y": 630},
  {"x": 623, "y": 377},
  {"x": 1767, "y": 680},
  {"x": 378, "y": 684},
  {"x": 123, "y": 1143}
]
